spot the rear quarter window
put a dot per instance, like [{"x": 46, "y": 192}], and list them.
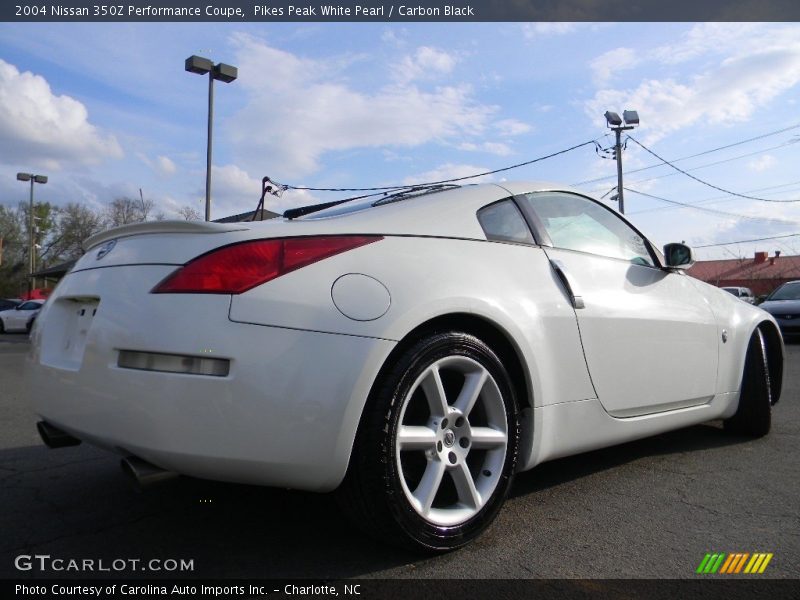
[{"x": 503, "y": 222}]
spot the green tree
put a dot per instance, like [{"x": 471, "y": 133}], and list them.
[{"x": 13, "y": 254}]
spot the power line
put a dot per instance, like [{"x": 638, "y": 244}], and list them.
[
  {"x": 726, "y": 198},
  {"x": 739, "y": 143},
  {"x": 454, "y": 179},
  {"x": 697, "y": 179},
  {"x": 711, "y": 210},
  {"x": 715, "y": 163},
  {"x": 774, "y": 237}
]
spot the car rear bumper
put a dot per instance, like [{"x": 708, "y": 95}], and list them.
[{"x": 284, "y": 415}]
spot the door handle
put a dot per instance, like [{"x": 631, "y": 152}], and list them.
[{"x": 569, "y": 284}]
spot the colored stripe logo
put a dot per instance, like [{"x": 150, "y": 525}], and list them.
[{"x": 734, "y": 563}]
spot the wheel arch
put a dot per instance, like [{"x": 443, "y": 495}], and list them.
[
  {"x": 774, "y": 342},
  {"x": 487, "y": 330},
  {"x": 490, "y": 332}
]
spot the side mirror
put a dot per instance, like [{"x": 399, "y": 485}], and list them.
[{"x": 678, "y": 256}]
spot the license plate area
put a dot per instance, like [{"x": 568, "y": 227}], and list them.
[{"x": 67, "y": 330}]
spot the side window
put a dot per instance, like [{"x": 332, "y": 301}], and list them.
[
  {"x": 502, "y": 222},
  {"x": 577, "y": 223}
]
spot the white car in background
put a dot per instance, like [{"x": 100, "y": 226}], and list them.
[
  {"x": 742, "y": 293},
  {"x": 21, "y": 317},
  {"x": 413, "y": 351}
]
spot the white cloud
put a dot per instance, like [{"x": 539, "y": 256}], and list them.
[
  {"x": 303, "y": 110},
  {"x": 606, "y": 65},
  {"x": 235, "y": 191},
  {"x": 709, "y": 38},
  {"x": 511, "y": 127},
  {"x": 39, "y": 127},
  {"x": 449, "y": 171},
  {"x": 425, "y": 63},
  {"x": 537, "y": 30},
  {"x": 162, "y": 165},
  {"x": 762, "y": 164},
  {"x": 741, "y": 73},
  {"x": 496, "y": 148},
  {"x": 165, "y": 165}
]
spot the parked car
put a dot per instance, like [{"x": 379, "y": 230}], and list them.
[
  {"x": 742, "y": 293},
  {"x": 784, "y": 305},
  {"x": 21, "y": 317},
  {"x": 8, "y": 303},
  {"x": 412, "y": 351}
]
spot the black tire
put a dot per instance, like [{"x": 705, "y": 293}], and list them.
[
  {"x": 29, "y": 326},
  {"x": 2, "y": 326},
  {"x": 377, "y": 488},
  {"x": 754, "y": 415}
]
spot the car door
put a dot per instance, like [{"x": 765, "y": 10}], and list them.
[
  {"x": 19, "y": 318},
  {"x": 649, "y": 337}
]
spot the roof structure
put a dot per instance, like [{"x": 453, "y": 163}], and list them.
[{"x": 761, "y": 273}]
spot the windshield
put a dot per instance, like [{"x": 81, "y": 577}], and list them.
[{"x": 788, "y": 291}]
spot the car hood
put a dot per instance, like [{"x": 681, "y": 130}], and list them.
[{"x": 787, "y": 307}]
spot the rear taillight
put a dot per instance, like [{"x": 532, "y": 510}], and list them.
[{"x": 239, "y": 267}]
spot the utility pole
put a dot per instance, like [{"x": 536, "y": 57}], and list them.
[{"x": 615, "y": 124}]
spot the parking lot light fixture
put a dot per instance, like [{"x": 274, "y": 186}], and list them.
[
  {"x": 221, "y": 72},
  {"x": 31, "y": 242}
]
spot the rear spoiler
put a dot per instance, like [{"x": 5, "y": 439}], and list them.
[{"x": 161, "y": 227}]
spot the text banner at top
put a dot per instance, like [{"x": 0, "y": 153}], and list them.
[{"x": 413, "y": 10}]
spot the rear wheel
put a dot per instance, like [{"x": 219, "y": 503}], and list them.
[
  {"x": 2, "y": 326},
  {"x": 437, "y": 446},
  {"x": 754, "y": 415}
]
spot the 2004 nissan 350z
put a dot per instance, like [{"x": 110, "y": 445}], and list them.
[{"x": 412, "y": 352}]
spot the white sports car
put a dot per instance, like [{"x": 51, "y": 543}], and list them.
[
  {"x": 413, "y": 351},
  {"x": 21, "y": 317}
]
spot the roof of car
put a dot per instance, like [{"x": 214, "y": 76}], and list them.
[{"x": 442, "y": 213}]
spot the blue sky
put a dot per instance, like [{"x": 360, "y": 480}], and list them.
[{"x": 105, "y": 109}]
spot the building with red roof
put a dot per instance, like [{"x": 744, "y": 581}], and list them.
[{"x": 762, "y": 273}]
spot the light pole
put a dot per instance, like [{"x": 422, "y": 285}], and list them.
[
  {"x": 631, "y": 118},
  {"x": 32, "y": 244},
  {"x": 221, "y": 72}
]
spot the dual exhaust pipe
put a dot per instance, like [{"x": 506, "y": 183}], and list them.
[{"x": 141, "y": 473}]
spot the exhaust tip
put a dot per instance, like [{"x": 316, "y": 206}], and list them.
[
  {"x": 54, "y": 437},
  {"x": 143, "y": 474}
]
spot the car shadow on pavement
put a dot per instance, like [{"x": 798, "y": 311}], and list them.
[
  {"x": 75, "y": 503},
  {"x": 691, "y": 439}
]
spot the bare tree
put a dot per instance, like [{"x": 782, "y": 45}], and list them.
[
  {"x": 189, "y": 213},
  {"x": 124, "y": 210}
]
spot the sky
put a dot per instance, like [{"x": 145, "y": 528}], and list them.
[{"x": 105, "y": 110}]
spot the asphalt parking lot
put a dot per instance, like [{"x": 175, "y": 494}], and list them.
[{"x": 648, "y": 509}]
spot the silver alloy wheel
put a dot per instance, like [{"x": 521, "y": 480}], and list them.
[{"x": 464, "y": 438}]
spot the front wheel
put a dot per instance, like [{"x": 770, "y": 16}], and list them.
[
  {"x": 437, "y": 445},
  {"x": 754, "y": 415}
]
